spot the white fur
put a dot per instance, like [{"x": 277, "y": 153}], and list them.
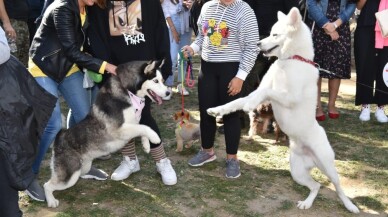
[{"x": 291, "y": 87}]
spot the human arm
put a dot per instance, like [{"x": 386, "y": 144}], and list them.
[
  {"x": 9, "y": 30},
  {"x": 360, "y": 4},
  {"x": 64, "y": 21},
  {"x": 316, "y": 14},
  {"x": 196, "y": 46},
  {"x": 4, "y": 48}
]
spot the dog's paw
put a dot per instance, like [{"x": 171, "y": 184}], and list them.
[
  {"x": 214, "y": 111},
  {"x": 178, "y": 150},
  {"x": 304, "y": 204},
  {"x": 52, "y": 203},
  {"x": 146, "y": 144},
  {"x": 351, "y": 207}
]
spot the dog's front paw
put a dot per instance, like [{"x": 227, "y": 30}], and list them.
[
  {"x": 154, "y": 138},
  {"x": 146, "y": 144},
  {"x": 214, "y": 111},
  {"x": 304, "y": 204},
  {"x": 53, "y": 203}
]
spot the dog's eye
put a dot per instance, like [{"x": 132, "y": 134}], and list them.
[
  {"x": 275, "y": 35},
  {"x": 156, "y": 80}
]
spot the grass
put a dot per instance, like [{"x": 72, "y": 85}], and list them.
[{"x": 264, "y": 189}]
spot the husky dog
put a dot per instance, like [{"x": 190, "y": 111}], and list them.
[
  {"x": 112, "y": 122},
  {"x": 291, "y": 87}
]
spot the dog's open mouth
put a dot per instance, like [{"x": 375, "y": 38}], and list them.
[
  {"x": 155, "y": 97},
  {"x": 265, "y": 52}
]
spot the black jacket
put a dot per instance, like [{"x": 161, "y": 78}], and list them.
[
  {"x": 116, "y": 49},
  {"x": 25, "y": 108},
  {"x": 58, "y": 41}
]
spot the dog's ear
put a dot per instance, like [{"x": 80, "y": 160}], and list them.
[
  {"x": 281, "y": 15},
  {"x": 187, "y": 115},
  {"x": 294, "y": 17},
  {"x": 153, "y": 65}
]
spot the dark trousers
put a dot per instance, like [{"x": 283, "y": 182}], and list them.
[
  {"x": 213, "y": 83},
  {"x": 9, "y": 198},
  {"x": 370, "y": 63},
  {"x": 148, "y": 120}
]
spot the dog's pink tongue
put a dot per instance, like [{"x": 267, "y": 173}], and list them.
[{"x": 159, "y": 100}]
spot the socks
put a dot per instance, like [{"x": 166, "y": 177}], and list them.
[
  {"x": 129, "y": 150},
  {"x": 158, "y": 153}
]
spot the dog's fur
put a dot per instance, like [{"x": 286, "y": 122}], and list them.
[
  {"x": 291, "y": 87},
  {"x": 109, "y": 126},
  {"x": 261, "y": 118},
  {"x": 185, "y": 131}
]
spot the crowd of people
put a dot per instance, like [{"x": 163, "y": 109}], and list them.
[{"x": 57, "y": 39}]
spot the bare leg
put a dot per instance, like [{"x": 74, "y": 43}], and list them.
[
  {"x": 319, "y": 110},
  {"x": 334, "y": 85}
]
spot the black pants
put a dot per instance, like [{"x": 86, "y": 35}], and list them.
[
  {"x": 148, "y": 120},
  {"x": 9, "y": 198},
  {"x": 213, "y": 91},
  {"x": 370, "y": 63}
]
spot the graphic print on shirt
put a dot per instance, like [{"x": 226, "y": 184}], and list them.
[
  {"x": 125, "y": 19},
  {"x": 218, "y": 33}
]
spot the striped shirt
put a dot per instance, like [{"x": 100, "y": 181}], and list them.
[{"x": 228, "y": 34}]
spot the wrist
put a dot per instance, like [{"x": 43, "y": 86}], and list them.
[{"x": 335, "y": 25}]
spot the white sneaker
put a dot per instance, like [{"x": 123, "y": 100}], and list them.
[
  {"x": 380, "y": 115},
  {"x": 365, "y": 113},
  {"x": 126, "y": 168},
  {"x": 182, "y": 91},
  {"x": 168, "y": 173},
  {"x": 169, "y": 96}
]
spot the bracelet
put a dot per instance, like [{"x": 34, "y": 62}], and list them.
[{"x": 335, "y": 25}]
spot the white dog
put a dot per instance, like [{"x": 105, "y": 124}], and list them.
[{"x": 291, "y": 87}]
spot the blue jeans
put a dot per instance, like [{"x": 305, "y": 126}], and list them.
[
  {"x": 175, "y": 47},
  {"x": 77, "y": 99},
  {"x": 92, "y": 92}
]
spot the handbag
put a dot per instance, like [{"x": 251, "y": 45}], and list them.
[{"x": 382, "y": 20}]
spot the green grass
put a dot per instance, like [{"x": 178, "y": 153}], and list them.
[{"x": 264, "y": 189}]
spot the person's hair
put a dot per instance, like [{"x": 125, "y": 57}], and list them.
[{"x": 101, "y": 3}]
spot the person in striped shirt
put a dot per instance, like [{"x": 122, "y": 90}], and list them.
[{"x": 228, "y": 37}]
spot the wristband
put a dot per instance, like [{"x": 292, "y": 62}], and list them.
[{"x": 335, "y": 25}]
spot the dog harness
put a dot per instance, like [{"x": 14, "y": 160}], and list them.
[{"x": 137, "y": 103}]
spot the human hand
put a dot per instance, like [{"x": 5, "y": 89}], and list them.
[
  {"x": 9, "y": 31},
  {"x": 111, "y": 68},
  {"x": 187, "y": 51},
  {"x": 234, "y": 86},
  {"x": 187, "y": 4},
  {"x": 334, "y": 36},
  {"x": 175, "y": 35},
  {"x": 329, "y": 27}
]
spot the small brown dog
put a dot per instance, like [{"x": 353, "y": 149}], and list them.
[
  {"x": 185, "y": 130},
  {"x": 261, "y": 119}
]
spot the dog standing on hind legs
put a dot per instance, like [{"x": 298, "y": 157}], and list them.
[
  {"x": 291, "y": 87},
  {"x": 112, "y": 122}
]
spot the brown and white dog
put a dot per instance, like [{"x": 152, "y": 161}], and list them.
[{"x": 185, "y": 131}]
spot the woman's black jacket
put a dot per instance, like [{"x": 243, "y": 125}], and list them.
[{"x": 57, "y": 43}]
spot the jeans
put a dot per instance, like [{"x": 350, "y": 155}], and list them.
[
  {"x": 175, "y": 49},
  {"x": 77, "y": 99},
  {"x": 92, "y": 92}
]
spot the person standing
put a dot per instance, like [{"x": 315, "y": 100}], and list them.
[
  {"x": 14, "y": 16},
  {"x": 126, "y": 31},
  {"x": 177, "y": 13},
  {"x": 24, "y": 111},
  {"x": 332, "y": 45},
  {"x": 228, "y": 37},
  {"x": 55, "y": 57},
  {"x": 371, "y": 55}
]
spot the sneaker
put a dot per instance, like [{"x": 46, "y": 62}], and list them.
[
  {"x": 380, "y": 115},
  {"x": 35, "y": 191},
  {"x": 126, "y": 168},
  {"x": 166, "y": 98},
  {"x": 96, "y": 174},
  {"x": 201, "y": 158},
  {"x": 105, "y": 157},
  {"x": 182, "y": 90},
  {"x": 365, "y": 113},
  {"x": 168, "y": 173},
  {"x": 232, "y": 168}
]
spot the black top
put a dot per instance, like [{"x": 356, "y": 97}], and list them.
[
  {"x": 367, "y": 15},
  {"x": 17, "y": 9},
  {"x": 146, "y": 36},
  {"x": 266, "y": 12}
]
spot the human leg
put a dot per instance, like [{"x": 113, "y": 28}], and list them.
[
  {"x": 319, "y": 114},
  {"x": 334, "y": 85},
  {"x": 9, "y": 198},
  {"x": 381, "y": 92}
]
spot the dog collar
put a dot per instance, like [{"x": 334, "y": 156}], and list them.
[
  {"x": 137, "y": 103},
  {"x": 300, "y": 58}
]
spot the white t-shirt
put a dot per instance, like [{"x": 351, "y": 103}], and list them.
[{"x": 4, "y": 48}]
